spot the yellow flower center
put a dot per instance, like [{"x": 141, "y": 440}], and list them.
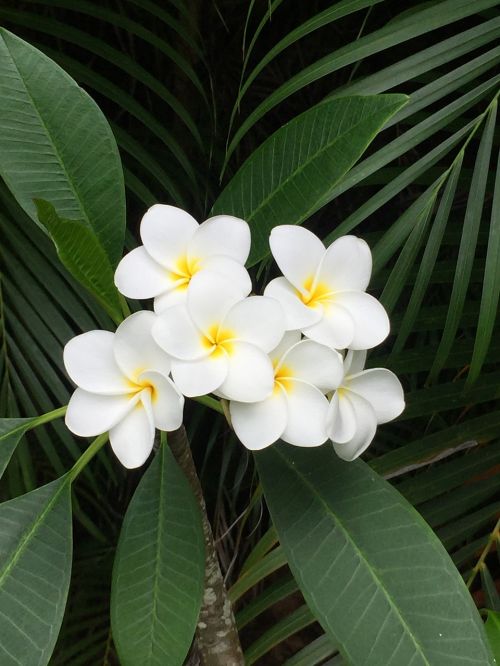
[
  {"x": 283, "y": 379},
  {"x": 185, "y": 268},
  {"x": 136, "y": 386},
  {"x": 318, "y": 293},
  {"x": 219, "y": 340}
]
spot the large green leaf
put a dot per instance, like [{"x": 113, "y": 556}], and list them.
[
  {"x": 35, "y": 569},
  {"x": 11, "y": 431},
  {"x": 493, "y": 632},
  {"x": 80, "y": 251},
  {"x": 159, "y": 569},
  {"x": 56, "y": 145},
  {"x": 370, "y": 569},
  {"x": 285, "y": 178}
]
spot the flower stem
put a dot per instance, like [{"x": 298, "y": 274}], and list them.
[
  {"x": 87, "y": 456},
  {"x": 217, "y": 642},
  {"x": 49, "y": 416},
  {"x": 494, "y": 536},
  {"x": 210, "y": 402}
]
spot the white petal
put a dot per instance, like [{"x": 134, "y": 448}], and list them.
[
  {"x": 259, "y": 424},
  {"x": 176, "y": 333},
  {"x": 167, "y": 402},
  {"x": 222, "y": 234},
  {"x": 307, "y": 410},
  {"x": 341, "y": 419},
  {"x": 314, "y": 363},
  {"x": 139, "y": 276},
  {"x": 250, "y": 376},
  {"x": 258, "y": 319},
  {"x": 89, "y": 414},
  {"x": 169, "y": 299},
  {"x": 91, "y": 364},
  {"x": 297, "y": 314},
  {"x": 382, "y": 389},
  {"x": 135, "y": 348},
  {"x": 229, "y": 269},
  {"x": 288, "y": 340},
  {"x": 371, "y": 323},
  {"x": 132, "y": 439},
  {"x": 366, "y": 426},
  {"x": 354, "y": 361},
  {"x": 209, "y": 298},
  {"x": 201, "y": 376},
  {"x": 335, "y": 329},
  {"x": 347, "y": 265},
  {"x": 166, "y": 232},
  {"x": 298, "y": 253}
]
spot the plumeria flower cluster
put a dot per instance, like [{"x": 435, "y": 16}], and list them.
[{"x": 289, "y": 363}]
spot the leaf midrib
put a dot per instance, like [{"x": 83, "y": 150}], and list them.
[{"x": 360, "y": 553}]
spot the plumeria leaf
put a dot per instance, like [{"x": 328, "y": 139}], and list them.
[
  {"x": 79, "y": 250},
  {"x": 159, "y": 569},
  {"x": 64, "y": 153},
  {"x": 11, "y": 431},
  {"x": 493, "y": 632},
  {"x": 35, "y": 569},
  {"x": 359, "y": 553},
  {"x": 284, "y": 180}
]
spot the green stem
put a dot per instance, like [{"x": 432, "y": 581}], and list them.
[
  {"x": 494, "y": 536},
  {"x": 87, "y": 456},
  {"x": 125, "y": 307},
  {"x": 49, "y": 416},
  {"x": 208, "y": 401}
]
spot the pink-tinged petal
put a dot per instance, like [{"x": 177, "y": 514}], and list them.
[
  {"x": 221, "y": 235},
  {"x": 347, "y": 265},
  {"x": 288, "y": 340},
  {"x": 307, "y": 410},
  {"x": 132, "y": 438},
  {"x": 202, "y": 376},
  {"x": 259, "y": 424},
  {"x": 335, "y": 330},
  {"x": 169, "y": 299},
  {"x": 209, "y": 299},
  {"x": 89, "y": 414},
  {"x": 354, "y": 361},
  {"x": 176, "y": 333},
  {"x": 371, "y": 323},
  {"x": 313, "y": 363},
  {"x": 230, "y": 270},
  {"x": 135, "y": 348},
  {"x": 139, "y": 276},
  {"x": 298, "y": 253},
  {"x": 90, "y": 362},
  {"x": 366, "y": 427},
  {"x": 250, "y": 376},
  {"x": 297, "y": 314},
  {"x": 166, "y": 232},
  {"x": 167, "y": 402},
  {"x": 341, "y": 419},
  {"x": 258, "y": 319},
  {"x": 382, "y": 389}
]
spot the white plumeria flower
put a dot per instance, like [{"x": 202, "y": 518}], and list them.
[
  {"x": 364, "y": 399},
  {"x": 219, "y": 340},
  {"x": 296, "y": 411},
  {"x": 323, "y": 290},
  {"x": 175, "y": 248},
  {"x": 123, "y": 388}
]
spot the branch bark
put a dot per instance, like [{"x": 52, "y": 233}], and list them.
[{"x": 217, "y": 641}]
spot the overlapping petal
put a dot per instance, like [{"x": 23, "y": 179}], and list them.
[
  {"x": 335, "y": 329},
  {"x": 298, "y": 253},
  {"x": 382, "y": 389},
  {"x": 259, "y": 424},
  {"x": 230, "y": 270},
  {"x": 176, "y": 333},
  {"x": 315, "y": 364},
  {"x": 297, "y": 314},
  {"x": 221, "y": 235},
  {"x": 135, "y": 349},
  {"x": 167, "y": 402},
  {"x": 250, "y": 376},
  {"x": 166, "y": 232},
  {"x": 366, "y": 426},
  {"x": 210, "y": 298},
  {"x": 201, "y": 376},
  {"x": 258, "y": 319},
  {"x": 138, "y": 275},
  {"x": 90, "y": 362},
  {"x": 346, "y": 265},
  {"x": 132, "y": 438},
  {"x": 354, "y": 361},
  {"x": 307, "y": 410},
  {"x": 371, "y": 323},
  {"x": 289, "y": 339},
  {"x": 341, "y": 418},
  {"x": 89, "y": 414}
]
